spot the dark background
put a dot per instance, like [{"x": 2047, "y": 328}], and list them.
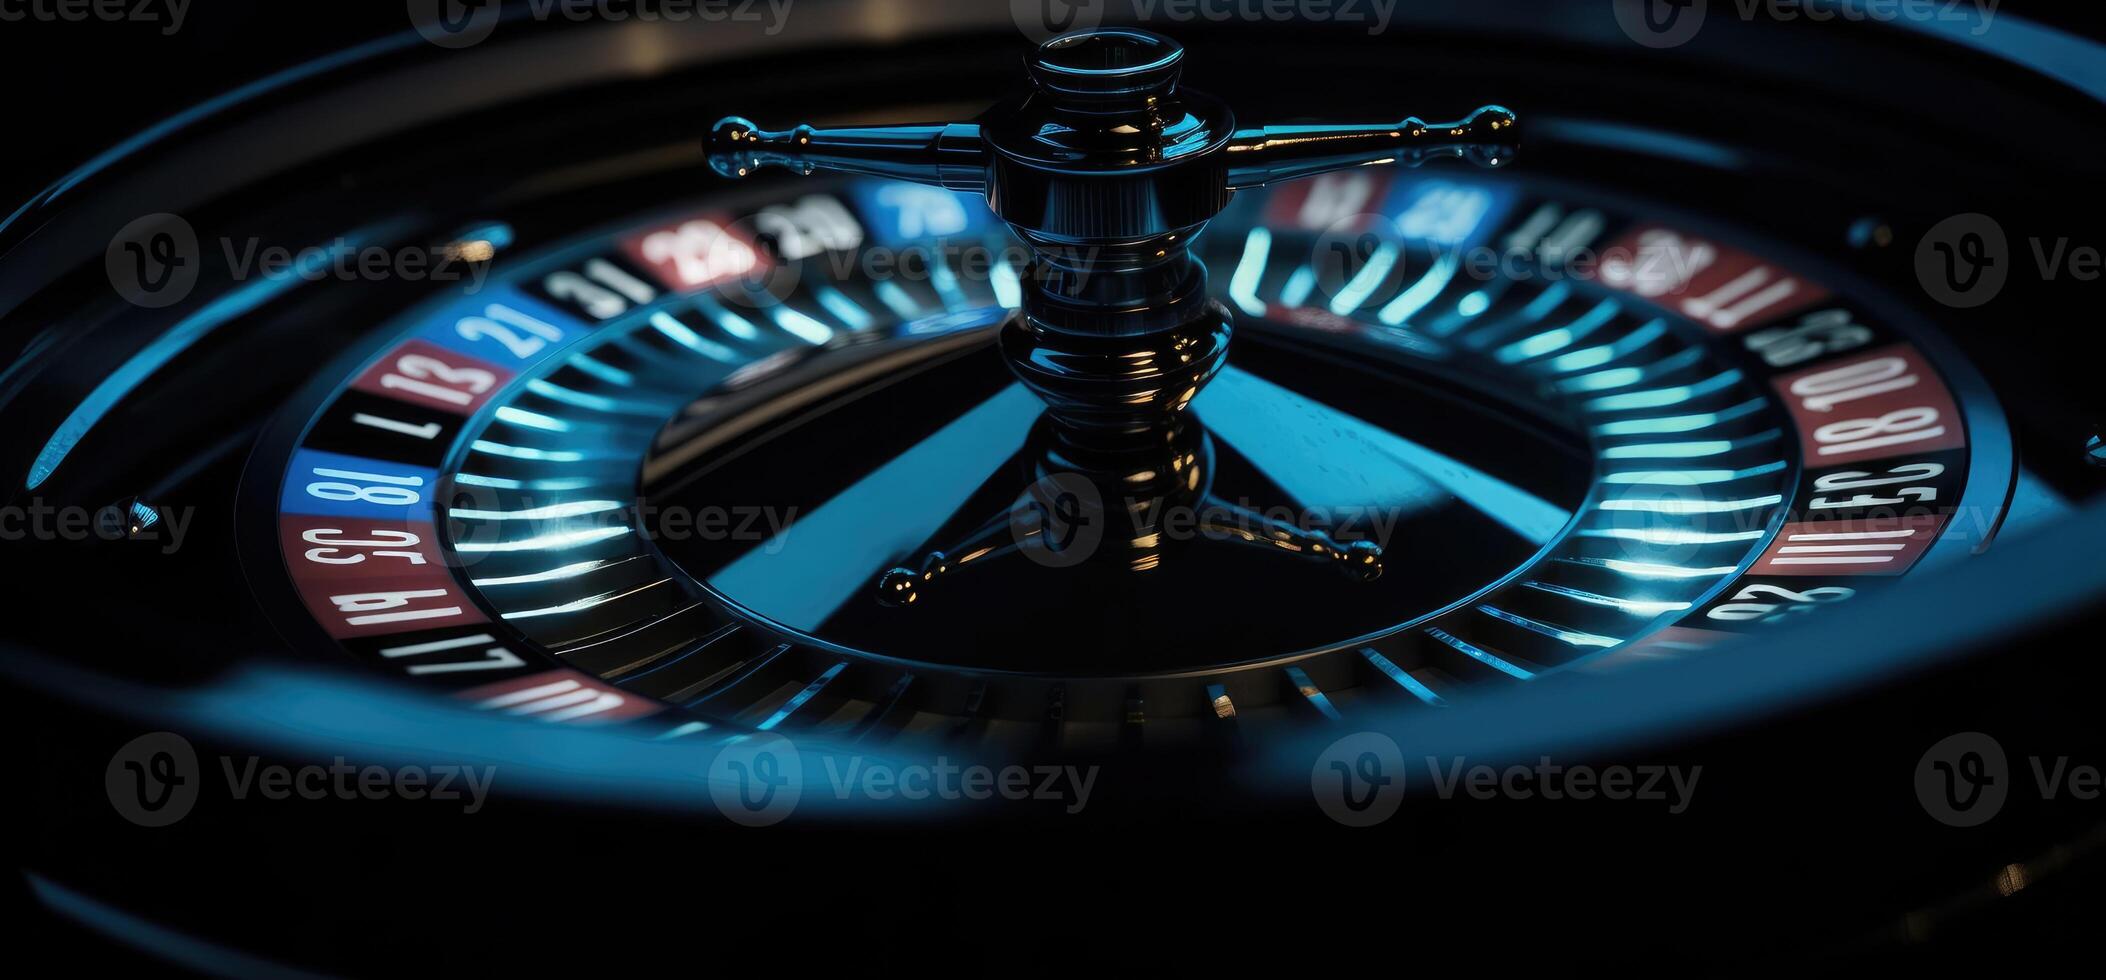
[{"x": 75, "y": 89}]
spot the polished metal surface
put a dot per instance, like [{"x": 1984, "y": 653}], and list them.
[{"x": 1109, "y": 168}]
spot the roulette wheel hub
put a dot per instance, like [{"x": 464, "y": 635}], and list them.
[{"x": 1112, "y": 538}]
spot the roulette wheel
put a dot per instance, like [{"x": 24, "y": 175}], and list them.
[{"x": 832, "y": 469}]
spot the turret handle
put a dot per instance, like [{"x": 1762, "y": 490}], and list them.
[
  {"x": 1269, "y": 154},
  {"x": 949, "y": 155}
]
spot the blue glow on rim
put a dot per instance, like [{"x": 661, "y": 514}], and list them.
[{"x": 167, "y": 347}]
